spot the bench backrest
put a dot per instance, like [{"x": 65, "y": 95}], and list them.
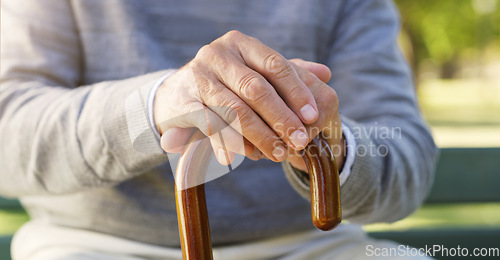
[
  {"x": 462, "y": 175},
  {"x": 467, "y": 175}
]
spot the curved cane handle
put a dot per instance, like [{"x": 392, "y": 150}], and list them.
[
  {"x": 191, "y": 204},
  {"x": 324, "y": 184}
]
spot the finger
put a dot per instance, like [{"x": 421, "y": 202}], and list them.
[
  {"x": 297, "y": 162},
  {"x": 190, "y": 112},
  {"x": 220, "y": 142},
  {"x": 223, "y": 156},
  {"x": 212, "y": 126},
  {"x": 263, "y": 99},
  {"x": 279, "y": 72},
  {"x": 257, "y": 93},
  {"x": 219, "y": 132},
  {"x": 319, "y": 70},
  {"x": 174, "y": 139},
  {"x": 243, "y": 119},
  {"x": 256, "y": 155},
  {"x": 328, "y": 121}
]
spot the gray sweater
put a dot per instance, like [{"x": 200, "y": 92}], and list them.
[{"x": 68, "y": 67}]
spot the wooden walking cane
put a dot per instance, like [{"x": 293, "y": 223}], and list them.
[{"x": 191, "y": 205}]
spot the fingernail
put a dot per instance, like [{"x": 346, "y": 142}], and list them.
[
  {"x": 299, "y": 139},
  {"x": 308, "y": 113},
  {"x": 279, "y": 153}
]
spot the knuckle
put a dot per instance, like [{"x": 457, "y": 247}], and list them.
[
  {"x": 246, "y": 120},
  {"x": 277, "y": 64},
  {"x": 209, "y": 90},
  {"x": 245, "y": 115},
  {"x": 284, "y": 71},
  {"x": 235, "y": 109},
  {"x": 233, "y": 34},
  {"x": 206, "y": 51},
  {"x": 296, "y": 93},
  {"x": 252, "y": 88}
]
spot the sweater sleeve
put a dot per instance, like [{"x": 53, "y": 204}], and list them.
[
  {"x": 57, "y": 135},
  {"x": 395, "y": 153}
]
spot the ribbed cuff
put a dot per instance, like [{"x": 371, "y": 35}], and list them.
[{"x": 151, "y": 101}]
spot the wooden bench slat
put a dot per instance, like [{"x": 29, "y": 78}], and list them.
[
  {"x": 467, "y": 175},
  {"x": 5, "y": 247},
  {"x": 9, "y": 203}
]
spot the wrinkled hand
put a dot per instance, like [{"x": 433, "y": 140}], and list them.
[{"x": 236, "y": 78}]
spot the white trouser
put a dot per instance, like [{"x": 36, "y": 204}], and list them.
[{"x": 40, "y": 241}]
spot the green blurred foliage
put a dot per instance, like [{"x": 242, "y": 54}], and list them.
[{"x": 443, "y": 30}]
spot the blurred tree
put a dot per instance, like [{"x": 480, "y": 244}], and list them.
[{"x": 442, "y": 30}]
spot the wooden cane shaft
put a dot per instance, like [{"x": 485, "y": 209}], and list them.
[
  {"x": 194, "y": 229},
  {"x": 191, "y": 206}
]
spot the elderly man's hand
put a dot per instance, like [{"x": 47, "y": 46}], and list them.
[{"x": 236, "y": 78}]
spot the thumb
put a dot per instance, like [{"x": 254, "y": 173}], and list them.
[{"x": 174, "y": 139}]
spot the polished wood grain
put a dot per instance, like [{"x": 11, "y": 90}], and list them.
[
  {"x": 324, "y": 184},
  {"x": 194, "y": 229}
]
